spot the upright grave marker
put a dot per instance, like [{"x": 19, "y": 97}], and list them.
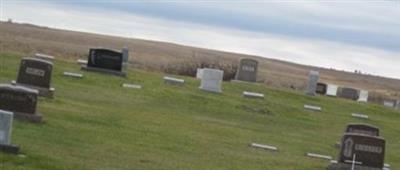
[
  {"x": 125, "y": 54},
  {"x": 6, "y": 119},
  {"x": 332, "y": 90},
  {"x": 247, "y": 70},
  {"x": 389, "y": 103},
  {"x": 363, "y": 150},
  {"x": 211, "y": 80},
  {"x": 313, "y": 78},
  {"x": 21, "y": 101},
  {"x": 199, "y": 73},
  {"x": 36, "y": 74},
  {"x": 349, "y": 93},
  {"x": 105, "y": 61},
  {"x": 321, "y": 88},
  {"x": 363, "y": 96}
]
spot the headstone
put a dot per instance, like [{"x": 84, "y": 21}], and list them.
[
  {"x": 105, "y": 61},
  {"x": 125, "y": 54},
  {"x": 74, "y": 75},
  {"x": 363, "y": 96},
  {"x": 397, "y": 104},
  {"x": 199, "y": 73},
  {"x": 367, "y": 151},
  {"x": 349, "y": 93},
  {"x": 263, "y": 146},
  {"x": 253, "y": 95},
  {"x": 82, "y": 62},
  {"x": 313, "y": 78},
  {"x": 321, "y": 88},
  {"x": 44, "y": 57},
  {"x": 359, "y": 115},
  {"x": 211, "y": 80},
  {"x": 6, "y": 119},
  {"x": 173, "y": 81},
  {"x": 319, "y": 156},
  {"x": 389, "y": 103},
  {"x": 313, "y": 108},
  {"x": 331, "y": 90},
  {"x": 131, "y": 86},
  {"x": 362, "y": 129},
  {"x": 247, "y": 70},
  {"x": 36, "y": 73},
  {"x": 21, "y": 101}
]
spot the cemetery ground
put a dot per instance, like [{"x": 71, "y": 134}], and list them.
[{"x": 94, "y": 123}]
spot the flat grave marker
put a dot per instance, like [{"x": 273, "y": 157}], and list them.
[
  {"x": 253, "y": 95},
  {"x": 263, "y": 146},
  {"x": 173, "y": 81},
  {"x": 73, "y": 75},
  {"x": 131, "y": 86},
  {"x": 313, "y": 108}
]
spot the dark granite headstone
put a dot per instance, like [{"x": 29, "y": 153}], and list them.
[
  {"x": 368, "y": 151},
  {"x": 21, "y": 101},
  {"x": 247, "y": 70},
  {"x": 349, "y": 93},
  {"x": 36, "y": 73},
  {"x": 362, "y": 129},
  {"x": 105, "y": 61},
  {"x": 321, "y": 88}
]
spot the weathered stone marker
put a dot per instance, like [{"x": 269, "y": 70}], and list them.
[
  {"x": 6, "y": 119},
  {"x": 74, "y": 75},
  {"x": 313, "y": 108},
  {"x": 105, "y": 61},
  {"x": 173, "y": 81},
  {"x": 44, "y": 57},
  {"x": 362, "y": 129},
  {"x": 321, "y": 88},
  {"x": 131, "y": 86},
  {"x": 247, "y": 70},
  {"x": 349, "y": 93},
  {"x": 313, "y": 78},
  {"x": 364, "y": 150},
  {"x": 319, "y": 156},
  {"x": 389, "y": 103},
  {"x": 82, "y": 62},
  {"x": 363, "y": 96},
  {"x": 21, "y": 101},
  {"x": 125, "y": 54},
  {"x": 361, "y": 116},
  {"x": 211, "y": 80},
  {"x": 331, "y": 90},
  {"x": 263, "y": 146},
  {"x": 253, "y": 95},
  {"x": 36, "y": 74},
  {"x": 199, "y": 73}
]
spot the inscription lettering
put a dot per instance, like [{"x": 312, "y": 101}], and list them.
[{"x": 35, "y": 71}]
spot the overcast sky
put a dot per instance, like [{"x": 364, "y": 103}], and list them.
[{"x": 342, "y": 34}]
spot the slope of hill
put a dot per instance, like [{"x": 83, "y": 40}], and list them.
[
  {"x": 28, "y": 39},
  {"x": 94, "y": 123}
]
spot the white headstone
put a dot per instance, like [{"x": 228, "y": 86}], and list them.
[
  {"x": 6, "y": 119},
  {"x": 331, "y": 90},
  {"x": 252, "y": 95},
  {"x": 199, "y": 73},
  {"x": 263, "y": 146},
  {"x": 173, "y": 81},
  {"x": 363, "y": 96},
  {"x": 125, "y": 54},
  {"x": 131, "y": 86},
  {"x": 389, "y": 103},
  {"x": 313, "y": 78},
  {"x": 211, "y": 80}
]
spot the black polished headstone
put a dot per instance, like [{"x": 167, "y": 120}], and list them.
[
  {"x": 368, "y": 151},
  {"x": 35, "y": 72},
  {"x": 105, "y": 59},
  {"x": 247, "y": 70},
  {"x": 349, "y": 93},
  {"x": 321, "y": 88},
  {"x": 362, "y": 129}
]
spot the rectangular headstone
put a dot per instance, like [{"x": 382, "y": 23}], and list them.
[
  {"x": 363, "y": 96},
  {"x": 369, "y": 151},
  {"x": 35, "y": 72},
  {"x": 362, "y": 129},
  {"x": 349, "y": 93},
  {"x": 314, "y": 108},
  {"x": 252, "y": 95},
  {"x": 125, "y": 54},
  {"x": 247, "y": 70},
  {"x": 211, "y": 80},
  {"x": 6, "y": 119},
  {"x": 199, "y": 73},
  {"x": 389, "y": 103},
  {"x": 105, "y": 61},
  {"x": 21, "y": 101},
  {"x": 331, "y": 90},
  {"x": 321, "y": 88},
  {"x": 173, "y": 81},
  {"x": 313, "y": 78}
]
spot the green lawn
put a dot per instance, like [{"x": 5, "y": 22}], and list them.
[{"x": 94, "y": 123}]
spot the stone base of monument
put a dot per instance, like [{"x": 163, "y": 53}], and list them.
[
  {"x": 34, "y": 118},
  {"x": 11, "y": 149},
  {"x": 105, "y": 71},
  {"x": 345, "y": 166},
  {"x": 43, "y": 92}
]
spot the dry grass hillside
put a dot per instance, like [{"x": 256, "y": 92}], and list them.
[{"x": 28, "y": 39}]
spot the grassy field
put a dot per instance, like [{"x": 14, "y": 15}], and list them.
[{"x": 95, "y": 124}]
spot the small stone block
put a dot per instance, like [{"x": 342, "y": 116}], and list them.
[
  {"x": 358, "y": 115},
  {"x": 75, "y": 75},
  {"x": 11, "y": 149},
  {"x": 314, "y": 155},
  {"x": 266, "y": 147},
  {"x": 44, "y": 57},
  {"x": 82, "y": 62},
  {"x": 132, "y": 86},
  {"x": 252, "y": 95},
  {"x": 314, "y": 108},
  {"x": 173, "y": 81}
]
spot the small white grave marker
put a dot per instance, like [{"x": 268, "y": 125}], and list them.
[
  {"x": 266, "y": 147},
  {"x": 75, "y": 75},
  {"x": 173, "y": 81},
  {"x": 314, "y": 108},
  {"x": 252, "y": 95},
  {"x": 314, "y": 155},
  {"x": 82, "y": 62},
  {"x": 358, "y": 115},
  {"x": 44, "y": 57},
  {"x": 132, "y": 86}
]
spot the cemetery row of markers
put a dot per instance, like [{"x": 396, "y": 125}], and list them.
[{"x": 361, "y": 146}]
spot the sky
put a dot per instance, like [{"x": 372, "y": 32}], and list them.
[{"x": 342, "y": 34}]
